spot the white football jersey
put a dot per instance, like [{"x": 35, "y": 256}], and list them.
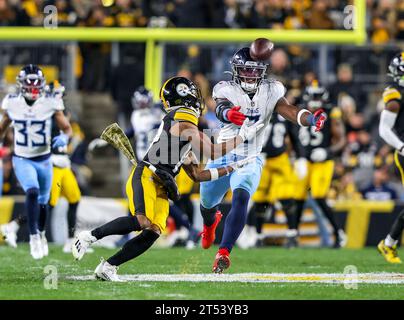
[
  {"x": 260, "y": 107},
  {"x": 145, "y": 122},
  {"x": 32, "y": 124}
]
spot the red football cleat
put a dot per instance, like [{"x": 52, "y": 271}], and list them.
[
  {"x": 209, "y": 233},
  {"x": 222, "y": 261}
]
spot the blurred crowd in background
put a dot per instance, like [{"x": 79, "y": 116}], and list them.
[
  {"x": 355, "y": 77},
  {"x": 385, "y": 17}
]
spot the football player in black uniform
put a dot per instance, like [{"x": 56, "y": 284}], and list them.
[
  {"x": 391, "y": 129},
  {"x": 152, "y": 181},
  {"x": 321, "y": 148},
  {"x": 277, "y": 178}
]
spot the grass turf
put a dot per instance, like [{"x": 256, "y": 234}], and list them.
[{"x": 21, "y": 277}]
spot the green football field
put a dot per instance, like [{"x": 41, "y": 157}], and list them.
[{"x": 270, "y": 273}]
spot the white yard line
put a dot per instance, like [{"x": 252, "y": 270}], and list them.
[{"x": 336, "y": 278}]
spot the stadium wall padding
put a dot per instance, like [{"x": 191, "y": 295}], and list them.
[{"x": 365, "y": 222}]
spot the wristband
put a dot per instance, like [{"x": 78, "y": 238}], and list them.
[
  {"x": 299, "y": 115},
  {"x": 214, "y": 174}
]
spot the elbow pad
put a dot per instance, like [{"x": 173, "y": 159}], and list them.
[{"x": 221, "y": 109}]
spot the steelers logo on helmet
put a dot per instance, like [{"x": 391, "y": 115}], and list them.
[
  {"x": 181, "y": 92},
  {"x": 182, "y": 89}
]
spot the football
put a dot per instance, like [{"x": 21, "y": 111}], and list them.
[{"x": 261, "y": 49}]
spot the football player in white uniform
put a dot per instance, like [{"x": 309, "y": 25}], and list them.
[
  {"x": 248, "y": 95},
  {"x": 145, "y": 120},
  {"x": 30, "y": 114}
]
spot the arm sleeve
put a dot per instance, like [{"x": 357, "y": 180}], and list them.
[{"x": 387, "y": 121}]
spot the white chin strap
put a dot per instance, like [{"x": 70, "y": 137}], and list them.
[{"x": 248, "y": 86}]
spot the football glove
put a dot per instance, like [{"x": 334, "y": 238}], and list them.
[
  {"x": 318, "y": 154},
  {"x": 169, "y": 183},
  {"x": 247, "y": 131},
  {"x": 318, "y": 119},
  {"x": 235, "y": 116},
  {"x": 60, "y": 141},
  {"x": 97, "y": 143},
  {"x": 300, "y": 168}
]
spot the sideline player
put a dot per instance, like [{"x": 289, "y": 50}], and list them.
[
  {"x": 30, "y": 112},
  {"x": 145, "y": 120},
  {"x": 152, "y": 181},
  {"x": 64, "y": 182},
  {"x": 248, "y": 95},
  {"x": 321, "y": 148},
  {"x": 391, "y": 129}
]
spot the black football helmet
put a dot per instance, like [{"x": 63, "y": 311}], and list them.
[
  {"x": 315, "y": 96},
  {"x": 55, "y": 88},
  {"x": 247, "y": 72},
  {"x": 31, "y": 82},
  {"x": 180, "y": 91},
  {"x": 142, "y": 98},
  {"x": 396, "y": 69}
]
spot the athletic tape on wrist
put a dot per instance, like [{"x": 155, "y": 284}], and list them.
[
  {"x": 214, "y": 174},
  {"x": 299, "y": 116}
]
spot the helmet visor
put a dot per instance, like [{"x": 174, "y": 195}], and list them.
[
  {"x": 32, "y": 86},
  {"x": 250, "y": 74}
]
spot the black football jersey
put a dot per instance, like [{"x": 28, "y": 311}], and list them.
[
  {"x": 168, "y": 152},
  {"x": 309, "y": 139},
  {"x": 277, "y": 131}
]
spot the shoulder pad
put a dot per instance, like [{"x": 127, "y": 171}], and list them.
[
  {"x": 218, "y": 89},
  {"x": 391, "y": 93}
]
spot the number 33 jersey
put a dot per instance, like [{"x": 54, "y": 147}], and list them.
[
  {"x": 259, "y": 107},
  {"x": 32, "y": 124}
]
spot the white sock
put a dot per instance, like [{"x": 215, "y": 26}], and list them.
[
  {"x": 14, "y": 226},
  {"x": 390, "y": 242}
]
